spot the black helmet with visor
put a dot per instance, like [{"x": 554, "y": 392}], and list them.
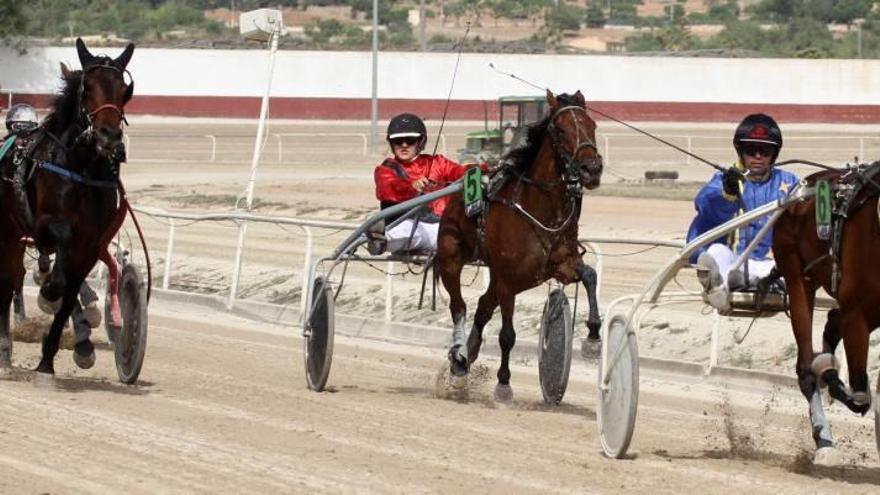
[
  {"x": 758, "y": 129},
  {"x": 407, "y": 125}
]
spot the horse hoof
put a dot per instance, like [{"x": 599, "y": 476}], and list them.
[
  {"x": 44, "y": 380},
  {"x": 861, "y": 402},
  {"x": 49, "y": 307},
  {"x": 84, "y": 355},
  {"x": 503, "y": 394},
  {"x": 93, "y": 315},
  {"x": 827, "y": 456},
  {"x": 6, "y": 373},
  {"x": 591, "y": 348},
  {"x": 822, "y": 363},
  {"x": 6, "y": 352},
  {"x": 458, "y": 365}
]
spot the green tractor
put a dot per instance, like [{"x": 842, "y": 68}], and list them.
[{"x": 515, "y": 114}]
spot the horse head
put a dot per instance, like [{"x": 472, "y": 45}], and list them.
[
  {"x": 574, "y": 138},
  {"x": 102, "y": 95}
]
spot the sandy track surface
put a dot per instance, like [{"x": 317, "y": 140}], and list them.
[{"x": 221, "y": 407}]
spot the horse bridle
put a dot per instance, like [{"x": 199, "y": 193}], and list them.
[
  {"x": 86, "y": 117},
  {"x": 569, "y": 173}
]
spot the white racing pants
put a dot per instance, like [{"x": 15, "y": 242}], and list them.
[
  {"x": 423, "y": 239},
  {"x": 725, "y": 258}
]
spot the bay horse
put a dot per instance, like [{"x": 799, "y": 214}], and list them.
[
  {"x": 528, "y": 233},
  {"x": 65, "y": 195},
  {"x": 849, "y": 273}
]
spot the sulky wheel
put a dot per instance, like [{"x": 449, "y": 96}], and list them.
[
  {"x": 618, "y": 388},
  {"x": 130, "y": 341},
  {"x": 554, "y": 347},
  {"x": 877, "y": 414},
  {"x": 318, "y": 336}
]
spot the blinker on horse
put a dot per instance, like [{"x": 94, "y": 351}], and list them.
[
  {"x": 528, "y": 233},
  {"x": 66, "y": 195}
]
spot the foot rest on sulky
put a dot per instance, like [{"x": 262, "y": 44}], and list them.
[{"x": 751, "y": 303}]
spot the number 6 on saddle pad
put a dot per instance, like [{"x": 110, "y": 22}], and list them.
[
  {"x": 823, "y": 209},
  {"x": 473, "y": 191}
]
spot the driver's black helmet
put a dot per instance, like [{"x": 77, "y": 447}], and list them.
[
  {"x": 758, "y": 128},
  {"x": 21, "y": 117},
  {"x": 406, "y": 125}
]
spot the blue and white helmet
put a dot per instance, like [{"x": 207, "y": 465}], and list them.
[{"x": 21, "y": 117}]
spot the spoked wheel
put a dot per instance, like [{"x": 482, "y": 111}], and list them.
[
  {"x": 130, "y": 341},
  {"x": 877, "y": 415},
  {"x": 318, "y": 336},
  {"x": 554, "y": 347},
  {"x": 618, "y": 388}
]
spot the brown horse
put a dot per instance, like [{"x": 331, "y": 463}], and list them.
[
  {"x": 64, "y": 194},
  {"x": 850, "y": 274},
  {"x": 529, "y": 233}
]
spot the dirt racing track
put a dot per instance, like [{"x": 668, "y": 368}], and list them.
[{"x": 221, "y": 405}]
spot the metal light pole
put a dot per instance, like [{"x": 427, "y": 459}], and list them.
[
  {"x": 276, "y": 30},
  {"x": 374, "y": 99}
]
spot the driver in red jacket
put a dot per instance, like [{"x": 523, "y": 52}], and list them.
[{"x": 410, "y": 173}]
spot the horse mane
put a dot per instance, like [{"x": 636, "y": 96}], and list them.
[
  {"x": 65, "y": 105},
  {"x": 522, "y": 156}
]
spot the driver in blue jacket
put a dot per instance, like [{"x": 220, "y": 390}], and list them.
[{"x": 751, "y": 182}]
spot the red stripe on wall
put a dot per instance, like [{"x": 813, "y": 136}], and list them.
[{"x": 359, "y": 109}]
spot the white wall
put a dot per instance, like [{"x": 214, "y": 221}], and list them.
[{"x": 310, "y": 74}]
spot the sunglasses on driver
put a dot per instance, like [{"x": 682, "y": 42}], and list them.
[
  {"x": 755, "y": 149},
  {"x": 408, "y": 140}
]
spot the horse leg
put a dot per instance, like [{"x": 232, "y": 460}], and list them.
[
  {"x": 506, "y": 340},
  {"x": 83, "y": 350},
  {"x": 591, "y": 346},
  {"x": 44, "y": 265},
  {"x": 89, "y": 299},
  {"x": 801, "y": 301},
  {"x": 52, "y": 339},
  {"x": 5, "y": 338},
  {"x": 54, "y": 288},
  {"x": 18, "y": 305},
  {"x": 856, "y": 345},
  {"x": 831, "y": 334},
  {"x": 11, "y": 275},
  {"x": 485, "y": 308},
  {"x": 450, "y": 273}
]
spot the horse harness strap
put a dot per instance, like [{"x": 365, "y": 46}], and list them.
[
  {"x": 4, "y": 148},
  {"x": 567, "y": 177},
  {"x": 75, "y": 177},
  {"x": 850, "y": 193}
]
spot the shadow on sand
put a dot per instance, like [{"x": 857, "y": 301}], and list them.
[{"x": 800, "y": 463}]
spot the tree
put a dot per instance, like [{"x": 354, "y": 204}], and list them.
[
  {"x": 12, "y": 19},
  {"x": 563, "y": 18},
  {"x": 845, "y": 11},
  {"x": 595, "y": 16}
]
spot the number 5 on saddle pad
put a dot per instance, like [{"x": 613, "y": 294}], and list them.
[{"x": 473, "y": 191}]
